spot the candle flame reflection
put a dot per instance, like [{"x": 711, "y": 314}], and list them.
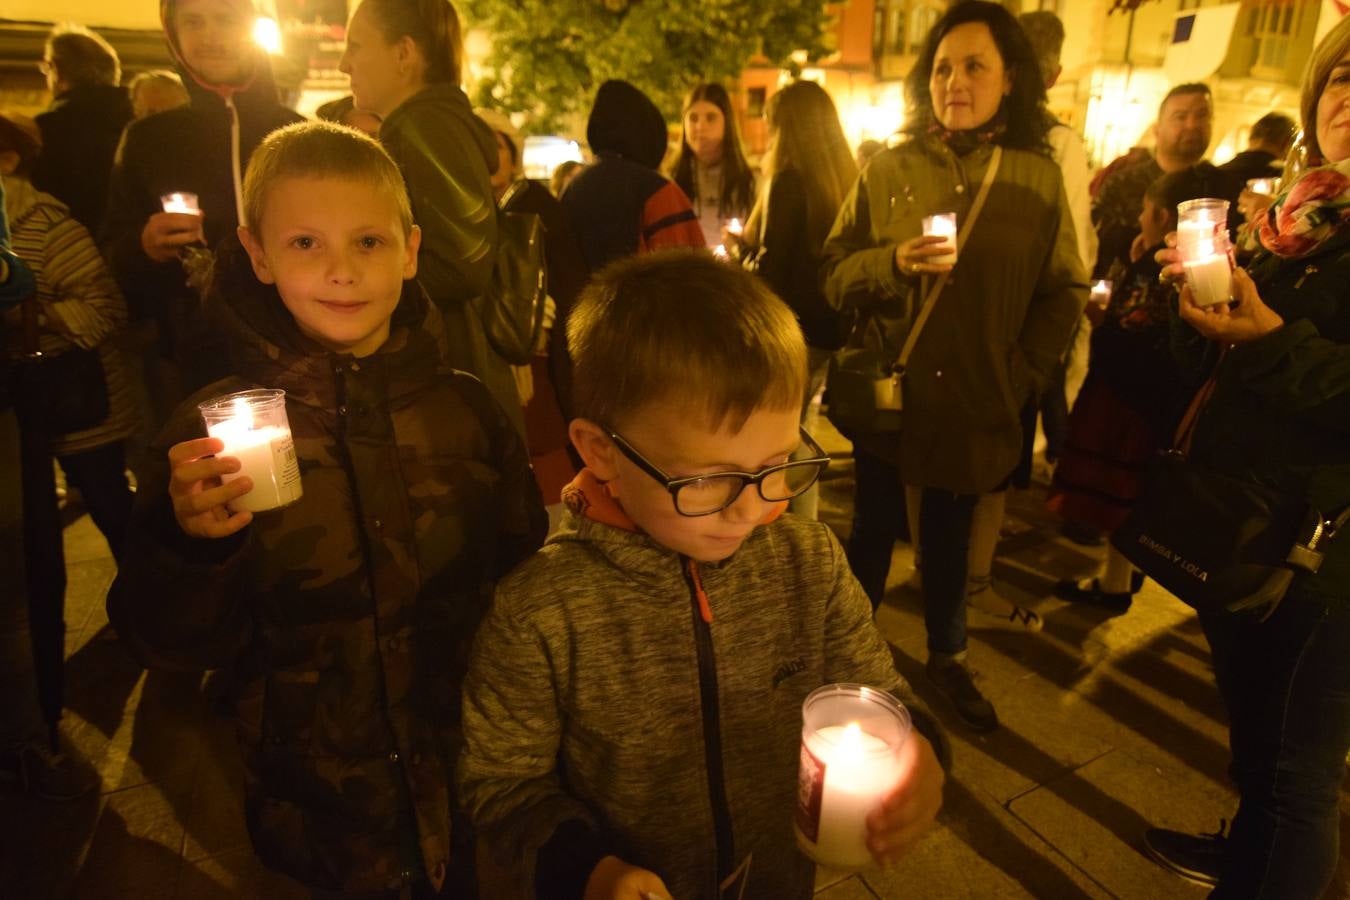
[{"x": 243, "y": 414}]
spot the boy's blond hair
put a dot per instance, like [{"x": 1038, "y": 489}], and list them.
[
  {"x": 321, "y": 150},
  {"x": 680, "y": 326}
]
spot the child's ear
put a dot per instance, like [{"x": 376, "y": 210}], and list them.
[
  {"x": 410, "y": 262},
  {"x": 595, "y": 447},
  {"x": 255, "y": 255}
]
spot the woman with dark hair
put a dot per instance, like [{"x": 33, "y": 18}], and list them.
[
  {"x": 404, "y": 58},
  {"x": 710, "y": 166},
  {"x": 808, "y": 170},
  {"x": 1279, "y": 415},
  {"x": 1003, "y": 317}
]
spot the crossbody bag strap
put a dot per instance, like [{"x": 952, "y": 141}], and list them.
[{"x": 931, "y": 299}]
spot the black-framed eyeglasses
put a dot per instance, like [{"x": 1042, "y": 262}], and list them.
[{"x": 703, "y": 495}]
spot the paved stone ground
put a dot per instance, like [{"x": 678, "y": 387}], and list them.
[{"x": 1110, "y": 724}]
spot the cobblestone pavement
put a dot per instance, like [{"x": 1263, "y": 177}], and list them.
[{"x": 1110, "y": 724}]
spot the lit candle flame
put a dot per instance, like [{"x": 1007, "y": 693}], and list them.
[
  {"x": 734, "y": 226},
  {"x": 243, "y": 414}
]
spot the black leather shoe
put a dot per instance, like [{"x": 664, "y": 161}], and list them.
[
  {"x": 953, "y": 679},
  {"x": 1195, "y": 857},
  {"x": 1089, "y": 593}
]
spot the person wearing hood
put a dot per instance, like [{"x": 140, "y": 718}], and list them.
[
  {"x": 404, "y": 58},
  {"x": 202, "y": 148},
  {"x": 621, "y": 204},
  {"x": 81, "y": 128},
  {"x": 348, "y": 613}
]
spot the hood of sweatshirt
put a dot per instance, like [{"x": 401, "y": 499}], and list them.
[{"x": 625, "y": 122}]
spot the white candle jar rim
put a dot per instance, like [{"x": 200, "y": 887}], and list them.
[
  {"x": 875, "y": 711},
  {"x": 930, "y": 221},
  {"x": 186, "y": 198},
  {"x": 268, "y": 406},
  {"x": 1190, "y": 210}
]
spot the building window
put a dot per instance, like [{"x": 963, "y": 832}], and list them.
[
  {"x": 754, "y": 102},
  {"x": 922, "y": 17},
  {"x": 1272, "y": 26}
]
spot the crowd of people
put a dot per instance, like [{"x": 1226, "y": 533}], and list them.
[{"x": 547, "y": 611}]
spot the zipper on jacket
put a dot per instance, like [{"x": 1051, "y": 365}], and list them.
[{"x": 712, "y": 721}]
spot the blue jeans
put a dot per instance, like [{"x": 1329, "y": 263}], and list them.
[
  {"x": 944, "y": 546},
  {"x": 1286, "y": 683},
  {"x": 878, "y": 520}
]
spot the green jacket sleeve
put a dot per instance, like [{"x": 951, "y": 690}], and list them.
[
  {"x": 858, "y": 272},
  {"x": 452, "y": 203},
  {"x": 1057, "y": 302}
]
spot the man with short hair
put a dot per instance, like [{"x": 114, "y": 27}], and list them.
[
  {"x": 155, "y": 91},
  {"x": 202, "y": 148},
  {"x": 81, "y": 128},
  {"x": 1268, "y": 144},
  {"x": 1184, "y": 128}
]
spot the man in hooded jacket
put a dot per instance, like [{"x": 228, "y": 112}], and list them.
[
  {"x": 621, "y": 204},
  {"x": 201, "y": 148}
]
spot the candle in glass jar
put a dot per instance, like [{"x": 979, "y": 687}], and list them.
[
  {"x": 942, "y": 225},
  {"x": 1202, "y": 238},
  {"x": 181, "y": 202},
  {"x": 254, "y": 429},
  {"x": 850, "y": 762},
  {"x": 1101, "y": 293}
]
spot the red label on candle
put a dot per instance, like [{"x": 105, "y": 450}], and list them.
[{"x": 810, "y": 790}]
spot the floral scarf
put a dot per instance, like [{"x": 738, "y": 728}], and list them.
[
  {"x": 1309, "y": 213},
  {"x": 962, "y": 142}
]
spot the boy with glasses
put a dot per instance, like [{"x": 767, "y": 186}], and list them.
[{"x": 632, "y": 712}]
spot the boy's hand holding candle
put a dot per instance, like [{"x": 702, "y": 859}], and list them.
[
  {"x": 198, "y": 496},
  {"x": 909, "y": 811},
  {"x": 614, "y": 879}
]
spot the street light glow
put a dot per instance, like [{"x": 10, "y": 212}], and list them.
[{"x": 267, "y": 34}]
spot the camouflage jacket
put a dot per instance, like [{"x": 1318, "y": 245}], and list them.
[{"x": 349, "y": 613}]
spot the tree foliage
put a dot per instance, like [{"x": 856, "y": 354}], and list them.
[{"x": 549, "y": 56}]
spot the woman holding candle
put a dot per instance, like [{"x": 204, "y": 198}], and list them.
[
  {"x": 710, "y": 166},
  {"x": 1133, "y": 396},
  {"x": 1001, "y": 322},
  {"x": 808, "y": 169},
  {"x": 349, "y": 612},
  {"x": 1279, "y": 415},
  {"x": 404, "y": 58}
]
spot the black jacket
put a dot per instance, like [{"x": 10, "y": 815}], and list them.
[
  {"x": 183, "y": 149},
  {"x": 80, "y": 132}
]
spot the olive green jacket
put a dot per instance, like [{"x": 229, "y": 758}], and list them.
[{"x": 1003, "y": 320}]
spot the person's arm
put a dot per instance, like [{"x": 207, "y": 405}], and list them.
[
  {"x": 1073, "y": 163},
  {"x": 668, "y": 221},
  {"x": 131, "y": 204},
  {"x": 452, "y": 198},
  {"x": 87, "y": 306},
  {"x": 508, "y": 771},
  {"x": 858, "y": 273},
  {"x": 178, "y": 602},
  {"x": 1057, "y": 301},
  {"x": 856, "y": 653}
]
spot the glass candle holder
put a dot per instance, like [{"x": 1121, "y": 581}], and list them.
[
  {"x": 942, "y": 225},
  {"x": 1202, "y": 238},
  {"x": 182, "y": 202},
  {"x": 1100, "y": 295},
  {"x": 256, "y": 431},
  {"x": 850, "y": 762}
]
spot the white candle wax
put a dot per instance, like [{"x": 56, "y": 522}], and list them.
[
  {"x": 1101, "y": 293},
  {"x": 857, "y": 771},
  {"x": 1210, "y": 279},
  {"x": 181, "y": 202},
  {"x": 942, "y": 225},
  {"x": 267, "y": 455}
]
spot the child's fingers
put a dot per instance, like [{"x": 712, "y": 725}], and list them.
[
  {"x": 191, "y": 505},
  {"x": 194, "y": 449},
  {"x": 220, "y": 528},
  {"x": 184, "y": 477}
]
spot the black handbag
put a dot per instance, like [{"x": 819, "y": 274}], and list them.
[
  {"x": 57, "y": 394},
  {"x": 866, "y": 386},
  {"x": 1220, "y": 543},
  {"x": 513, "y": 306}
]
